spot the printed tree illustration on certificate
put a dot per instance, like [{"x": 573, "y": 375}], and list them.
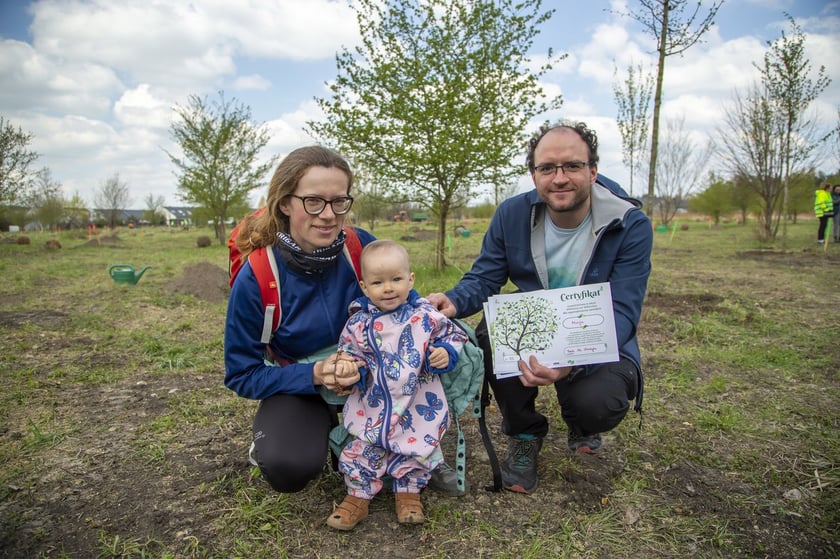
[{"x": 523, "y": 327}]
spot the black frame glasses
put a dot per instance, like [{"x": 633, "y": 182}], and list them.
[
  {"x": 314, "y": 205},
  {"x": 550, "y": 169}
]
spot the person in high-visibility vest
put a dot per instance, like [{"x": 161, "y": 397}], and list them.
[{"x": 823, "y": 209}]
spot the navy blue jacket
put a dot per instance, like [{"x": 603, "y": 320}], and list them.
[
  {"x": 314, "y": 310},
  {"x": 514, "y": 249}
]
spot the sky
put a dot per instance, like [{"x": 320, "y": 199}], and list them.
[{"x": 95, "y": 81}]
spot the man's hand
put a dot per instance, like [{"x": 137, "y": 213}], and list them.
[
  {"x": 534, "y": 374},
  {"x": 443, "y": 304}
]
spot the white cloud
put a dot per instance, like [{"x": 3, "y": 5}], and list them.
[
  {"x": 139, "y": 108},
  {"x": 97, "y": 85},
  {"x": 35, "y": 82},
  {"x": 254, "y": 81}
]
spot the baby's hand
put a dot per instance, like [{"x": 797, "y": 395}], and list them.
[
  {"x": 438, "y": 358},
  {"x": 346, "y": 373}
]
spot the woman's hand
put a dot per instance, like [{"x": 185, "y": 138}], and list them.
[
  {"x": 338, "y": 372},
  {"x": 534, "y": 374}
]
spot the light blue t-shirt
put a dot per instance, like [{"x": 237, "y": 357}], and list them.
[{"x": 564, "y": 252}]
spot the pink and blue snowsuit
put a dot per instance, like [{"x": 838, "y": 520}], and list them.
[{"x": 398, "y": 411}]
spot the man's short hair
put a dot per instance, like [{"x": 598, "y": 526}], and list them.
[{"x": 586, "y": 134}]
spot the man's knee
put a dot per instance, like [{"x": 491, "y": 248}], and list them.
[{"x": 599, "y": 413}]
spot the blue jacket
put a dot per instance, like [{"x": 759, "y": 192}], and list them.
[
  {"x": 314, "y": 311},
  {"x": 514, "y": 249}
]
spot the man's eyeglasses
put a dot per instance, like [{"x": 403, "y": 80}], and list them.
[
  {"x": 314, "y": 205},
  {"x": 568, "y": 168}
]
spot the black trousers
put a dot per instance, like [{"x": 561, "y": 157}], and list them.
[
  {"x": 291, "y": 434},
  {"x": 821, "y": 227},
  {"x": 594, "y": 400}
]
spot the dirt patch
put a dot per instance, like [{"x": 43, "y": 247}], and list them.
[
  {"x": 204, "y": 281},
  {"x": 805, "y": 257},
  {"x": 108, "y": 472},
  {"x": 677, "y": 304},
  {"x": 103, "y": 240},
  {"x": 49, "y": 320},
  {"x": 418, "y": 234}
]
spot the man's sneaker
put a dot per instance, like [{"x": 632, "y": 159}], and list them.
[
  {"x": 519, "y": 468},
  {"x": 586, "y": 444},
  {"x": 445, "y": 480}
]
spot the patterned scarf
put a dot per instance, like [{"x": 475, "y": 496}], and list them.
[{"x": 308, "y": 262}]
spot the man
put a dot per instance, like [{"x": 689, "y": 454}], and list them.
[{"x": 574, "y": 228}]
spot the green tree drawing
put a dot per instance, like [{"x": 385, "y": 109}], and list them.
[{"x": 525, "y": 325}]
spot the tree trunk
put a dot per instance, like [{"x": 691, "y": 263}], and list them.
[
  {"x": 657, "y": 103},
  {"x": 440, "y": 244}
]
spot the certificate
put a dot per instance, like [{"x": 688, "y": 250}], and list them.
[{"x": 562, "y": 327}]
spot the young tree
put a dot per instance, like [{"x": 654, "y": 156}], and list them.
[
  {"x": 787, "y": 76},
  {"x": 76, "y": 213},
  {"x": 15, "y": 159},
  {"x": 836, "y": 134},
  {"x": 679, "y": 169},
  {"x": 744, "y": 197},
  {"x": 46, "y": 200},
  {"x": 674, "y": 32},
  {"x": 220, "y": 145},
  {"x": 715, "y": 200},
  {"x": 436, "y": 100},
  {"x": 749, "y": 148},
  {"x": 152, "y": 204},
  {"x": 633, "y": 100},
  {"x": 111, "y": 199},
  {"x": 372, "y": 199}
]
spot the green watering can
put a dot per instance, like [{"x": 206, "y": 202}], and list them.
[{"x": 124, "y": 273}]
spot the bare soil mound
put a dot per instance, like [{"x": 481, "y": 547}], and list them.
[
  {"x": 204, "y": 281},
  {"x": 106, "y": 240}
]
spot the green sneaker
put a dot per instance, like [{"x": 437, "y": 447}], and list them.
[
  {"x": 585, "y": 444},
  {"x": 519, "y": 468}
]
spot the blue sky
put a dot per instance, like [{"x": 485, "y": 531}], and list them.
[{"x": 95, "y": 80}]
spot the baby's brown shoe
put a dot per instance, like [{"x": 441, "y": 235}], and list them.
[
  {"x": 409, "y": 508},
  {"x": 350, "y": 512}
]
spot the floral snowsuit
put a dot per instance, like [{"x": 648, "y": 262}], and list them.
[{"x": 398, "y": 411}]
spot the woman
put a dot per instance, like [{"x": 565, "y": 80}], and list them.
[{"x": 308, "y": 201}]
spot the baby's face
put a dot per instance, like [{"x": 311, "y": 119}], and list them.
[{"x": 386, "y": 280}]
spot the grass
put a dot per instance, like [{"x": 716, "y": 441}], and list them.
[{"x": 119, "y": 440}]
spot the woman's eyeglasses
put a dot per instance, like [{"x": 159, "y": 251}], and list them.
[{"x": 314, "y": 205}]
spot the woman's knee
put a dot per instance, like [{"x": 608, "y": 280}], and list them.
[{"x": 287, "y": 472}]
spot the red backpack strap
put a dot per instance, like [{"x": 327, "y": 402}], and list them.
[
  {"x": 264, "y": 267},
  {"x": 353, "y": 250}
]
